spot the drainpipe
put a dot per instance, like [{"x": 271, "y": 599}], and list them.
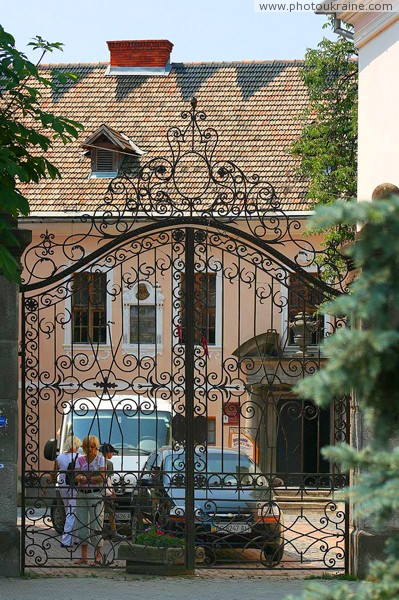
[{"x": 340, "y": 30}]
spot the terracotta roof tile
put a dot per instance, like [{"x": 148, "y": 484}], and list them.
[{"x": 256, "y": 108}]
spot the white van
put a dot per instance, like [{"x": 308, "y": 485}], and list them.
[{"x": 135, "y": 425}]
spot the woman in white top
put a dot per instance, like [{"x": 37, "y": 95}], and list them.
[
  {"x": 67, "y": 491},
  {"x": 89, "y": 501}
]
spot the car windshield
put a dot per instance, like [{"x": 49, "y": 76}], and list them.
[{"x": 128, "y": 431}]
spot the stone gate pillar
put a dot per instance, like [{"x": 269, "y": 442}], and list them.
[{"x": 9, "y": 426}]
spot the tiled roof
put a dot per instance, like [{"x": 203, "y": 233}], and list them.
[{"x": 256, "y": 108}]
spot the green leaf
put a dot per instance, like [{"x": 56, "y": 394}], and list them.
[
  {"x": 327, "y": 148},
  {"x": 23, "y": 144},
  {"x": 9, "y": 266},
  {"x": 52, "y": 170},
  {"x": 12, "y": 201}
]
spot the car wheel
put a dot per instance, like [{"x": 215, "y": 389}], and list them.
[
  {"x": 57, "y": 513},
  {"x": 273, "y": 555}
]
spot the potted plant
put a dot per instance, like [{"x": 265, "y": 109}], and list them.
[{"x": 156, "y": 553}]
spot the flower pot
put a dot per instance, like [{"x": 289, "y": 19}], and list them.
[{"x": 151, "y": 560}]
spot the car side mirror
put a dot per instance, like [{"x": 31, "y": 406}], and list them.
[{"x": 50, "y": 450}]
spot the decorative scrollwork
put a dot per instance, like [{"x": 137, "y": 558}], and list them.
[
  {"x": 193, "y": 183},
  {"x": 191, "y": 208}
]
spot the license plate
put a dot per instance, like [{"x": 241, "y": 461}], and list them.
[
  {"x": 122, "y": 516},
  {"x": 232, "y": 527}
]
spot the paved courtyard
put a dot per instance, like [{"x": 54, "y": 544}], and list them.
[{"x": 153, "y": 588}]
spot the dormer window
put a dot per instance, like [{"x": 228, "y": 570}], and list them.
[{"x": 107, "y": 148}]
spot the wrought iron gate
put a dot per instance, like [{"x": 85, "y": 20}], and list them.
[{"x": 174, "y": 326}]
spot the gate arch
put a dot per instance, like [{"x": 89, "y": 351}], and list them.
[{"x": 191, "y": 309}]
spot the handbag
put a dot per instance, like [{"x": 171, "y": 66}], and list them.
[{"x": 109, "y": 488}]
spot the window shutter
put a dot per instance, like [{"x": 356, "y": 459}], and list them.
[{"x": 105, "y": 160}]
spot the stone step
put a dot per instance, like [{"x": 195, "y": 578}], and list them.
[
  {"x": 295, "y": 507},
  {"x": 303, "y": 495}
]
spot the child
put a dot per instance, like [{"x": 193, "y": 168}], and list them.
[{"x": 108, "y": 452}]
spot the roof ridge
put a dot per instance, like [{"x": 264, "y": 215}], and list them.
[
  {"x": 213, "y": 62},
  {"x": 245, "y": 62},
  {"x": 78, "y": 64}
]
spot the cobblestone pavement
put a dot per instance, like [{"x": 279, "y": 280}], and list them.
[{"x": 153, "y": 588}]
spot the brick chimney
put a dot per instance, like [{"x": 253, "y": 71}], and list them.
[{"x": 139, "y": 57}]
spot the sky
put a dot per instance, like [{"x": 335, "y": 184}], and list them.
[{"x": 201, "y": 30}]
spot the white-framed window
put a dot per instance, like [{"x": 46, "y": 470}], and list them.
[
  {"x": 142, "y": 318},
  {"x": 211, "y": 431},
  {"x": 88, "y": 309},
  {"x": 207, "y": 307},
  {"x": 303, "y": 300}
]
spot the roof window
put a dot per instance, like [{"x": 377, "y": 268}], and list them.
[{"x": 106, "y": 148}]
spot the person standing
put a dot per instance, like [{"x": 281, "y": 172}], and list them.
[
  {"x": 89, "y": 500},
  {"x": 108, "y": 452},
  {"x": 67, "y": 489}
]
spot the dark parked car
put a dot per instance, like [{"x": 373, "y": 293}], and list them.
[{"x": 233, "y": 502}]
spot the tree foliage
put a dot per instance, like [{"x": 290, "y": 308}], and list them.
[
  {"x": 27, "y": 132},
  {"x": 327, "y": 147},
  {"x": 365, "y": 358}
]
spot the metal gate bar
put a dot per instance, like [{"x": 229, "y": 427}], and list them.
[{"x": 189, "y": 397}]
